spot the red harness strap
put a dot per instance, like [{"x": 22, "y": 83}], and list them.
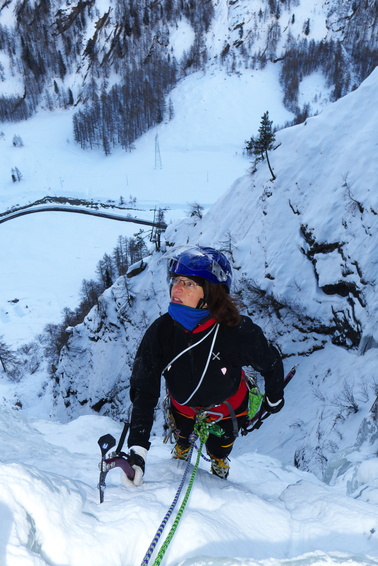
[{"x": 235, "y": 401}]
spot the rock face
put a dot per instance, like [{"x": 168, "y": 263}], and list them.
[{"x": 95, "y": 366}]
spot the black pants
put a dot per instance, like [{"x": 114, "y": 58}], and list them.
[{"x": 217, "y": 446}]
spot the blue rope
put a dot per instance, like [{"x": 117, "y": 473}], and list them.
[
  {"x": 192, "y": 439},
  {"x": 202, "y": 429},
  {"x": 160, "y": 530},
  {"x": 180, "y": 512}
]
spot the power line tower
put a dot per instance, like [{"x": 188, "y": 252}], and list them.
[{"x": 158, "y": 163}]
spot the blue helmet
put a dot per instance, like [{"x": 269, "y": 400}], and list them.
[{"x": 198, "y": 261}]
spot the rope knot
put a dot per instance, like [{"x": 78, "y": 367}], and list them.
[{"x": 203, "y": 427}]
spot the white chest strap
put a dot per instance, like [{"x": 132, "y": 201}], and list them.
[{"x": 214, "y": 328}]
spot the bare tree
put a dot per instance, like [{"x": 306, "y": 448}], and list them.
[
  {"x": 195, "y": 210},
  {"x": 8, "y": 361}
]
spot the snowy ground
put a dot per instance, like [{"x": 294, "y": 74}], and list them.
[{"x": 265, "y": 514}]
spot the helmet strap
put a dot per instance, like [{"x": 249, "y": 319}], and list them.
[{"x": 203, "y": 301}]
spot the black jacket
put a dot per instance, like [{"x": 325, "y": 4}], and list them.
[{"x": 234, "y": 347}]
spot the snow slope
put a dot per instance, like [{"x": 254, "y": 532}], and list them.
[
  {"x": 265, "y": 514},
  {"x": 198, "y": 165},
  {"x": 315, "y": 225}
]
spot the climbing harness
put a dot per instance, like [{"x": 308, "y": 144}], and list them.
[{"x": 254, "y": 402}]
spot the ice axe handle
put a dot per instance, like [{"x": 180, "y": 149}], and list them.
[{"x": 120, "y": 462}]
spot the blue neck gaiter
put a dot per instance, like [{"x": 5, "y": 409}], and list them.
[{"x": 187, "y": 316}]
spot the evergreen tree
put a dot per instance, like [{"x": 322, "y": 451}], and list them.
[
  {"x": 105, "y": 271},
  {"x": 264, "y": 142}
]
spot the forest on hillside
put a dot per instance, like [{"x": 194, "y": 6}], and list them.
[{"x": 126, "y": 64}]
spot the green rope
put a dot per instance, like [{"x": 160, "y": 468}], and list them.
[
  {"x": 202, "y": 429},
  {"x": 180, "y": 512}
]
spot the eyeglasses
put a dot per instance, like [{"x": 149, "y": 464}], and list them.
[{"x": 188, "y": 283}]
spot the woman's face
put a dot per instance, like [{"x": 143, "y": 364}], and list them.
[{"x": 185, "y": 291}]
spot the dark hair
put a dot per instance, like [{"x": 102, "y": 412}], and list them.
[{"x": 222, "y": 306}]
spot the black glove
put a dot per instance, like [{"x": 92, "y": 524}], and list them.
[{"x": 270, "y": 406}]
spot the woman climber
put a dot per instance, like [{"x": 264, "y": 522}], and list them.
[{"x": 200, "y": 346}]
